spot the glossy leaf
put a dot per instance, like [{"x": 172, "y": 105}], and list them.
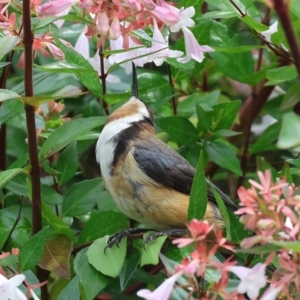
[
  {"x": 81, "y": 197},
  {"x": 64, "y": 67},
  {"x": 151, "y": 250},
  {"x": 92, "y": 281},
  {"x": 292, "y": 97},
  {"x": 6, "y": 176},
  {"x": 101, "y": 224},
  {"x": 89, "y": 79},
  {"x": 223, "y": 155},
  {"x": 180, "y": 129},
  {"x": 282, "y": 74},
  {"x": 67, "y": 133},
  {"x": 7, "y": 94},
  {"x": 7, "y": 43},
  {"x": 71, "y": 291},
  {"x": 32, "y": 250},
  {"x": 198, "y": 197},
  {"x": 109, "y": 262}
]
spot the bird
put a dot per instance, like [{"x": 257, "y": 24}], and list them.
[{"x": 148, "y": 180}]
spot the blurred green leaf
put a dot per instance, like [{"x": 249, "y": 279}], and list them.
[
  {"x": 92, "y": 281},
  {"x": 265, "y": 249},
  {"x": 225, "y": 114},
  {"x": 218, "y": 15},
  {"x": 32, "y": 250},
  {"x": 4, "y": 64},
  {"x": 71, "y": 291},
  {"x": 7, "y": 43},
  {"x": 100, "y": 224},
  {"x": 64, "y": 67},
  {"x": 50, "y": 196},
  {"x": 6, "y": 176},
  {"x": 7, "y": 94},
  {"x": 55, "y": 222},
  {"x": 89, "y": 79},
  {"x": 289, "y": 135},
  {"x": 253, "y": 24},
  {"x": 68, "y": 132},
  {"x": 109, "y": 262},
  {"x": 81, "y": 197},
  {"x": 180, "y": 129},
  {"x": 292, "y": 97},
  {"x": 286, "y": 172},
  {"x": 223, "y": 156},
  {"x": 294, "y": 245},
  {"x": 280, "y": 75},
  {"x": 67, "y": 163},
  {"x": 151, "y": 250},
  {"x": 196, "y": 207}
]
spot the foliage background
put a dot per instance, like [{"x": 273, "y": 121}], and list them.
[{"x": 221, "y": 106}]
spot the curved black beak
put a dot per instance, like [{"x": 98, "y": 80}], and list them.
[{"x": 134, "y": 89}]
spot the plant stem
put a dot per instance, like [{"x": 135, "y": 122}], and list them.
[
  {"x": 103, "y": 80},
  {"x": 282, "y": 9},
  {"x": 174, "y": 106},
  {"x": 32, "y": 138}
]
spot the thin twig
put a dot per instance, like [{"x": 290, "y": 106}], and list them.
[
  {"x": 32, "y": 138},
  {"x": 103, "y": 81},
  {"x": 15, "y": 224},
  {"x": 174, "y": 105},
  {"x": 237, "y": 8},
  {"x": 282, "y": 9},
  {"x": 55, "y": 185}
]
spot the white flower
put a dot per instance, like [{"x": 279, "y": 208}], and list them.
[
  {"x": 8, "y": 288},
  {"x": 272, "y": 29},
  {"x": 160, "y": 48},
  {"x": 163, "y": 292},
  {"x": 82, "y": 47},
  {"x": 192, "y": 48},
  {"x": 185, "y": 16},
  {"x": 252, "y": 280}
]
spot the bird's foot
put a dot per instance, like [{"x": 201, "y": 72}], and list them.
[
  {"x": 116, "y": 238},
  {"x": 168, "y": 232}
]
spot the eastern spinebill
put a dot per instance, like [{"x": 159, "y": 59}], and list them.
[{"x": 149, "y": 181}]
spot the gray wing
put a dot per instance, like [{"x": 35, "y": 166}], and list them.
[{"x": 165, "y": 166}]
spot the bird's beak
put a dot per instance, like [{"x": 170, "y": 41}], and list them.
[{"x": 134, "y": 91}]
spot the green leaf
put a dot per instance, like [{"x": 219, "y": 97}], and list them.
[
  {"x": 67, "y": 163},
  {"x": 257, "y": 26},
  {"x": 289, "y": 135},
  {"x": 204, "y": 119},
  {"x": 7, "y": 43},
  {"x": 50, "y": 196},
  {"x": 56, "y": 256},
  {"x": 129, "y": 267},
  {"x": 218, "y": 15},
  {"x": 6, "y": 176},
  {"x": 151, "y": 250},
  {"x": 198, "y": 197},
  {"x": 4, "y": 64},
  {"x": 89, "y": 79},
  {"x": 292, "y": 97},
  {"x": 92, "y": 281},
  {"x": 55, "y": 222},
  {"x": 7, "y": 94},
  {"x": 64, "y": 67},
  {"x": 223, "y": 211},
  {"x": 100, "y": 224},
  {"x": 32, "y": 250},
  {"x": 281, "y": 74},
  {"x": 71, "y": 291},
  {"x": 8, "y": 261},
  {"x": 180, "y": 129},
  {"x": 81, "y": 197},
  {"x": 67, "y": 133},
  {"x": 223, "y": 156},
  {"x": 109, "y": 262},
  {"x": 43, "y": 22},
  {"x": 294, "y": 246}
]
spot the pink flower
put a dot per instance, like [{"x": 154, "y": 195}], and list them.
[
  {"x": 162, "y": 292},
  {"x": 149, "y": 4},
  {"x": 55, "y": 7},
  {"x": 185, "y": 17},
  {"x": 199, "y": 229},
  {"x": 134, "y": 4},
  {"x": 55, "y": 51},
  {"x": 165, "y": 15},
  {"x": 252, "y": 280},
  {"x": 192, "y": 48}
]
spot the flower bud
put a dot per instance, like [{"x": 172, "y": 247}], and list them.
[
  {"x": 102, "y": 24},
  {"x": 115, "y": 30}
]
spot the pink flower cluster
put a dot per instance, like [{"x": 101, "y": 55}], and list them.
[
  {"x": 269, "y": 209},
  {"x": 125, "y": 21}
]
